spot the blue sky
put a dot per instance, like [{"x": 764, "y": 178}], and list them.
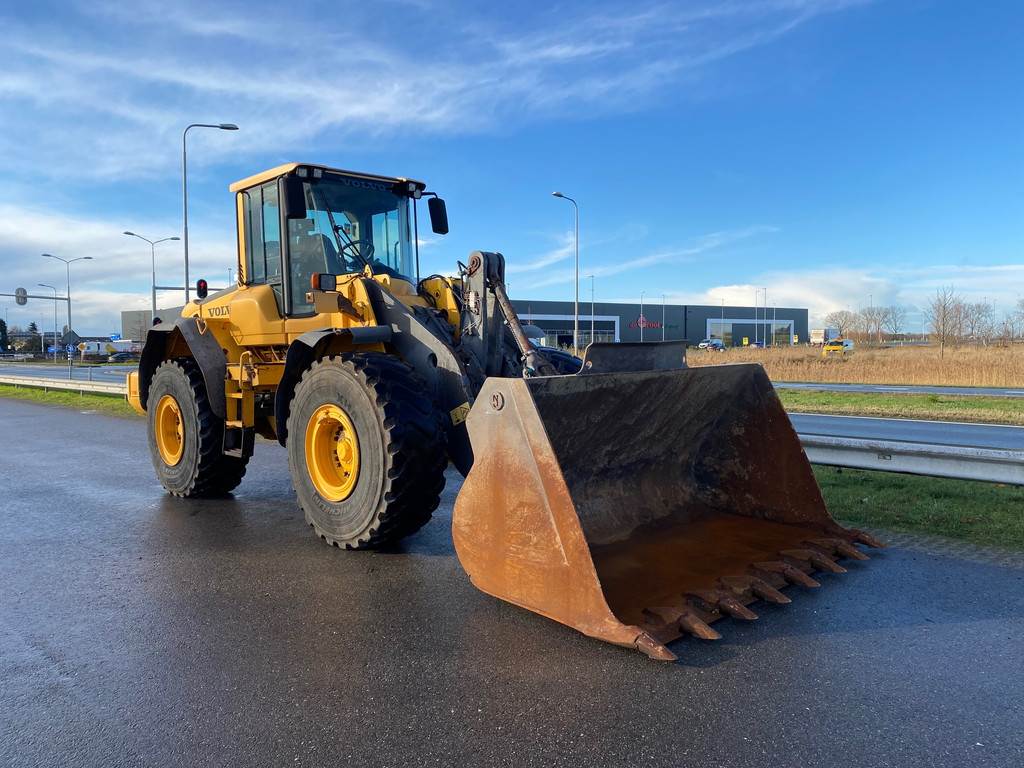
[{"x": 827, "y": 150}]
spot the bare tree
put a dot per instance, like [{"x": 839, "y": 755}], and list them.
[
  {"x": 843, "y": 320},
  {"x": 945, "y": 315},
  {"x": 871, "y": 322},
  {"x": 894, "y": 319},
  {"x": 977, "y": 319}
]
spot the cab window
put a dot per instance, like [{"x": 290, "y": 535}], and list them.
[{"x": 263, "y": 237}]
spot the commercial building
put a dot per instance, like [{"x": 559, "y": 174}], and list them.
[{"x": 656, "y": 321}]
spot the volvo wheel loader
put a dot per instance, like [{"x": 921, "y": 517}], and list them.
[{"x": 624, "y": 494}]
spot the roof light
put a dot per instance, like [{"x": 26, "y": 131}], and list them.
[
  {"x": 318, "y": 173},
  {"x": 301, "y": 172}
]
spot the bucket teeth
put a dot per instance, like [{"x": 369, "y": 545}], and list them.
[
  {"x": 848, "y": 550},
  {"x": 687, "y": 620},
  {"x": 735, "y": 608},
  {"x": 788, "y": 572},
  {"x": 844, "y": 548},
  {"x": 697, "y": 627},
  {"x": 741, "y": 585},
  {"x": 652, "y": 648},
  {"x": 817, "y": 559},
  {"x": 867, "y": 538},
  {"x": 767, "y": 592},
  {"x": 717, "y": 601}
]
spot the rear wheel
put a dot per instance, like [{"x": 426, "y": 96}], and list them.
[
  {"x": 186, "y": 437},
  {"x": 366, "y": 450}
]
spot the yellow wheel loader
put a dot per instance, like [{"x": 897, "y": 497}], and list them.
[{"x": 624, "y": 495}]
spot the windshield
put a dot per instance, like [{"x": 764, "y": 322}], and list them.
[{"x": 349, "y": 223}]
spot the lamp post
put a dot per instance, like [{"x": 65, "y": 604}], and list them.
[
  {"x": 641, "y": 322},
  {"x": 152, "y": 256},
  {"x": 68, "y": 263},
  {"x": 663, "y": 317},
  {"x": 52, "y": 288},
  {"x": 576, "y": 306},
  {"x": 184, "y": 183},
  {"x": 591, "y": 308}
]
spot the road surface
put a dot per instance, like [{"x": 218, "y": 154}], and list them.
[
  {"x": 139, "y": 629},
  {"x": 911, "y": 431},
  {"x": 888, "y": 389}
]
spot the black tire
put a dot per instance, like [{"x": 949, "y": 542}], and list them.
[
  {"x": 401, "y": 442},
  {"x": 202, "y": 471}
]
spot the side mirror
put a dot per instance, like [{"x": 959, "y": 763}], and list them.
[
  {"x": 292, "y": 194},
  {"x": 438, "y": 215}
]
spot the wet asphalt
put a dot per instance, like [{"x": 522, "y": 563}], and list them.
[{"x": 137, "y": 629}]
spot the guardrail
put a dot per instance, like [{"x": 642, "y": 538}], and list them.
[
  {"x": 933, "y": 460},
  {"x": 992, "y": 464},
  {"x": 71, "y": 385}
]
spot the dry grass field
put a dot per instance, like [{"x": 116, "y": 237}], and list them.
[{"x": 960, "y": 366}]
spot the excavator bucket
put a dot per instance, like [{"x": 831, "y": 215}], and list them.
[{"x": 639, "y": 507}]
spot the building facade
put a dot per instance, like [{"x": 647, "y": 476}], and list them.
[{"x": 605, "y": 321}]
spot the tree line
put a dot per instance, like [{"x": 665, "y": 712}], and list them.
[{"x": 950, "y": 320}]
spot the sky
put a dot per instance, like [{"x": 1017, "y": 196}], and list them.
[{"x": 831, "y": 152}]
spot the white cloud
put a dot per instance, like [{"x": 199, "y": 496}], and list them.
[
  {"x": 828, "y": 289},
  {"x": 129, "y": 80}
]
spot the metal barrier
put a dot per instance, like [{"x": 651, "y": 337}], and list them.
[
  {"x": 992, "y": 464},
  {"x": 70, "y": 385}
]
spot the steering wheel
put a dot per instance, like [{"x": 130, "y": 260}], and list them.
[{"x": 365, "y": 250}]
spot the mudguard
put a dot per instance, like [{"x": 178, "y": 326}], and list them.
[
  {"x": 303, "y": 352},
  {"x": 205, "y": 350}
]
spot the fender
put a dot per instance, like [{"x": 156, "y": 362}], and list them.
[
  {"x": 424, "y": 341},
  {"x": 205, "y": 350},
  {"x": 306, "y": 350}
]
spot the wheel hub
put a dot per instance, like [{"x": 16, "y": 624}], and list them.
[
  {"x": 170, "y": 432},
  {"x": 332, "y": 452}
]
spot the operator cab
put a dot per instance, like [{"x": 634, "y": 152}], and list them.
[{"x": 334, "y": 222}]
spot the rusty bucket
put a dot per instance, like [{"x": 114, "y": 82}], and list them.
[{"x": 638, "y": 507}]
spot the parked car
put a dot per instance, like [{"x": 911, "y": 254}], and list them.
[
  {"x": 757, "y": 344},
  {"x": 715, "y": 345},
  {"x": 122, "y": 357},
  {"x": 841, "y": 347}
]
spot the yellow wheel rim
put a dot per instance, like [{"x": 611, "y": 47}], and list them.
[
  {"x": 170, "y": 432},
  {"x": 332, "y": 452}
]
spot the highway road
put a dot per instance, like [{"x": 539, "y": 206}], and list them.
[
  {"x": 911, "y": 431},
  {"x": 889, "y": 389},
  {"x": 140, "y": 629},
  {"x": 105, "y": 373}
]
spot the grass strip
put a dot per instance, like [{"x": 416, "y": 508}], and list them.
[
  {"x": 988, "y": 514},
  {"x": 988, "y": 410},
  {"x": 105, "y": 404}
]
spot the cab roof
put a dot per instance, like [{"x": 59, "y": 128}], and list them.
[{"x": 282, "y": 170}]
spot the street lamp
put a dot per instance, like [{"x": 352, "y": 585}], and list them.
[
  {"x": 591, "y": 308},
  {"x": 52, "y": 288},
  {"x": 642, "y": 322},
  {"x": 576, "y": 306},
  {"x": 184, "y": 183},
  {"x": 152, "y": 254},
  {"x": 68, "y": 263}
]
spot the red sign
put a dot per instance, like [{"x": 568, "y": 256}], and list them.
[{"x": 643, "y": 322}]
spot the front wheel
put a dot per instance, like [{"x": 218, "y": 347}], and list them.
[
  {"x": 185, "y": 437},
  {"x": 366, "y": 450}
]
